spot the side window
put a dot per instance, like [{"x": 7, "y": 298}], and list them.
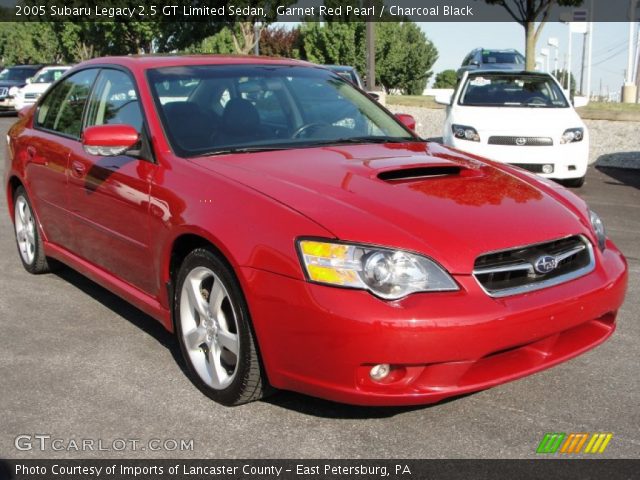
[
  {"x": 61, "y": 110},
  {"x": 114, "y": 101}
]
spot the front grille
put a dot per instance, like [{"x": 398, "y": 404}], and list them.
[
  {"x": 531, "y": 167},
  {"x": 520, "y": 270},
  {"x": 4, "y": 91},
  {"x": 522, "y": 141}
]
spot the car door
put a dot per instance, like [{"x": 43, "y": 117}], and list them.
[
  {"x": 109, "y": 195},
  {"x": 57, "y": 126}
]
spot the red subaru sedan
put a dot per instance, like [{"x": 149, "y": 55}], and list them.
[{"x": 295, "y": 234}]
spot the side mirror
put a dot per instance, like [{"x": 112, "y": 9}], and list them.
[
  {"x": 109, "y": 140},
  {"x": 580, "y": 102},
  {"x": 474, "y": 63},
  {"x": 29, "y": 80},
  {"x": 407, "y": 120},
  {"x": 374, "y": 95},
  {"x": 443, "y": 98}
]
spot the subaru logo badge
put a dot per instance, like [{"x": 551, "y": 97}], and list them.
[
  {"x": 520, "y": 141},
  {"x": 545, "y": 264}
]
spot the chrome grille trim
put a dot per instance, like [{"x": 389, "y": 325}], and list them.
[
  {"x": 4, "y": 91},
  {"x": 514, "y": 141},
  {"x": 522, "y": 266}
]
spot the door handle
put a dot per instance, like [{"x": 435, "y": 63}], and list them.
[{"x": 78, "y": 168}]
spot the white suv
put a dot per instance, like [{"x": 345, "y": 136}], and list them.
[
  {"x": 521, "y": 118},
  {"x": 38, "y": 84}
]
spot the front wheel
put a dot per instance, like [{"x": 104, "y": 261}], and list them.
[
  {"x": 574, "y": 182},
  {"x": 214, "y": 331},
  {"x": 28, "y": 237}
]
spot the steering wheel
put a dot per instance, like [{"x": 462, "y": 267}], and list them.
[
  {"x": 540, "y": 100},
  {"x": 307, "y": 126}
]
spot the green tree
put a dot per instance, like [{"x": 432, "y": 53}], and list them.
[
  {"x": 397, "y": 67},
  {"x": 339, "y": 43},
  {"x": 527, "y": 13},
  {"x": 220, "y": 43},
  {"x": 29, "y": 42},
  {"x": 446, "y": 79}
]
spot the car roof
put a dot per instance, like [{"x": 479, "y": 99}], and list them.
[
  {"x": 487, "y": 72},
  {"x": 340, "y": 68},
  {"x": 146, "y": 62}
]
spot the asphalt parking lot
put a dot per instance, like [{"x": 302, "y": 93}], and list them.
[{"x": 76, "y": 362}]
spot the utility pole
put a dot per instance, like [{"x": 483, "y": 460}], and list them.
[
  {"x": 629, "y": 89},
  {"x": 371, "y": 56}
]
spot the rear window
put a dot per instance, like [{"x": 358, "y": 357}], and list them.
[{"x": 502, "y": 58}]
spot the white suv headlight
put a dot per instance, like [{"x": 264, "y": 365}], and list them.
[
  {"x": 572, "y": 135},
  {"x": 13, "y": 91},
  {"x": 387, "y": 273}
]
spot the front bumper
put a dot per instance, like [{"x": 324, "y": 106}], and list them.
[
  {"x": 323, "y": 340},
  {"x": 569, "y": 161}
]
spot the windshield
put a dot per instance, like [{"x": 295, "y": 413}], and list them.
[
  {"x": 502, "y": 57},
  {"x": 220, "y": 108},
  {"x": 48, "y": 76},
  {"x": 512, "y": 90},
  {"x": 16, "y": 74}
]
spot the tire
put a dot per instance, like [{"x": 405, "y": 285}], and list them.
[
  {"x": 574, "y": 182},
  {"x": 214, "y": 331},
  {"x": 27, "y": 233}
]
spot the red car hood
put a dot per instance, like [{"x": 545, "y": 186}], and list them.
[{"x": 464, "y": 208}]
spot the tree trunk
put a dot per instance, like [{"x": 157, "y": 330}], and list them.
[{"x": 530, "y": 52}]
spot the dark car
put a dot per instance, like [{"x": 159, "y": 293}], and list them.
[
  {"x": 348, "y": 73},
  {"x": 11, "y": 80},
  {"x": 488, "y": 59}
]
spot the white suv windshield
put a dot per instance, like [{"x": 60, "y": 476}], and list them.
[{"x": 512, "y": 90}]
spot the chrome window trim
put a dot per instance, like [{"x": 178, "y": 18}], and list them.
[{"x": 532, "y": 287}]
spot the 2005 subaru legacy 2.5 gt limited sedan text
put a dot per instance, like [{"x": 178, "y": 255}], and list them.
[{"x": 294, "y": 234}]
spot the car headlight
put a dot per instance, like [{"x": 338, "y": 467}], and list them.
[
  {"x": 387, "y": 273},
  {"x": 13, "y": 91},
  {"x": 598, "y": 229},
  {"x": 572, "y": 135},
  {"x": 465, "y": 133}
]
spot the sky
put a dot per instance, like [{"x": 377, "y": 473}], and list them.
[{"x": 610, "y": 40}]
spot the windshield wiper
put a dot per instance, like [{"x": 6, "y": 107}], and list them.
[
  {"x": 361, "y": 140},
  {"x": 226, "y": 151}
]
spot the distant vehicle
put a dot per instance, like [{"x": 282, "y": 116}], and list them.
[
  {"x": 12, "y": 79},
  {"x": 348, "y": 73},
  {"x": 487, "y": 59},
  {"x": 37, "y": 85},
  {"x": 520, "y": 118},
  {"x": 351, "y": 74}
]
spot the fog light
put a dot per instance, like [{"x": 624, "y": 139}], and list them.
[
  {"x": 380, "y": 372},
  {"x": 547, "y": 168}
]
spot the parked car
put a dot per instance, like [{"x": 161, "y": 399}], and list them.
[
  {"x": 12, "y": 79},
  {"x": 490, "y": 59},
  {"x": 330, "y": 252},
  {"x": 351, "y": 74},
  {"x": 520, "y": 118},
  {"x": 348, "y": 73},
  {"x": 38, "y": 84}
]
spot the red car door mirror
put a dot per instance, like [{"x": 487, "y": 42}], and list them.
[
  {"x": 109, "y": 140},
  {"x": 407, "y": 120}
]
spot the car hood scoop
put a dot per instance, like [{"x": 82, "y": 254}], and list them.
[{"x": 415, "y": 173}]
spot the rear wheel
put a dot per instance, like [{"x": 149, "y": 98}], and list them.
[
  {"x": 28, "y": 238},
  {"x": 214, "y": 331}
]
